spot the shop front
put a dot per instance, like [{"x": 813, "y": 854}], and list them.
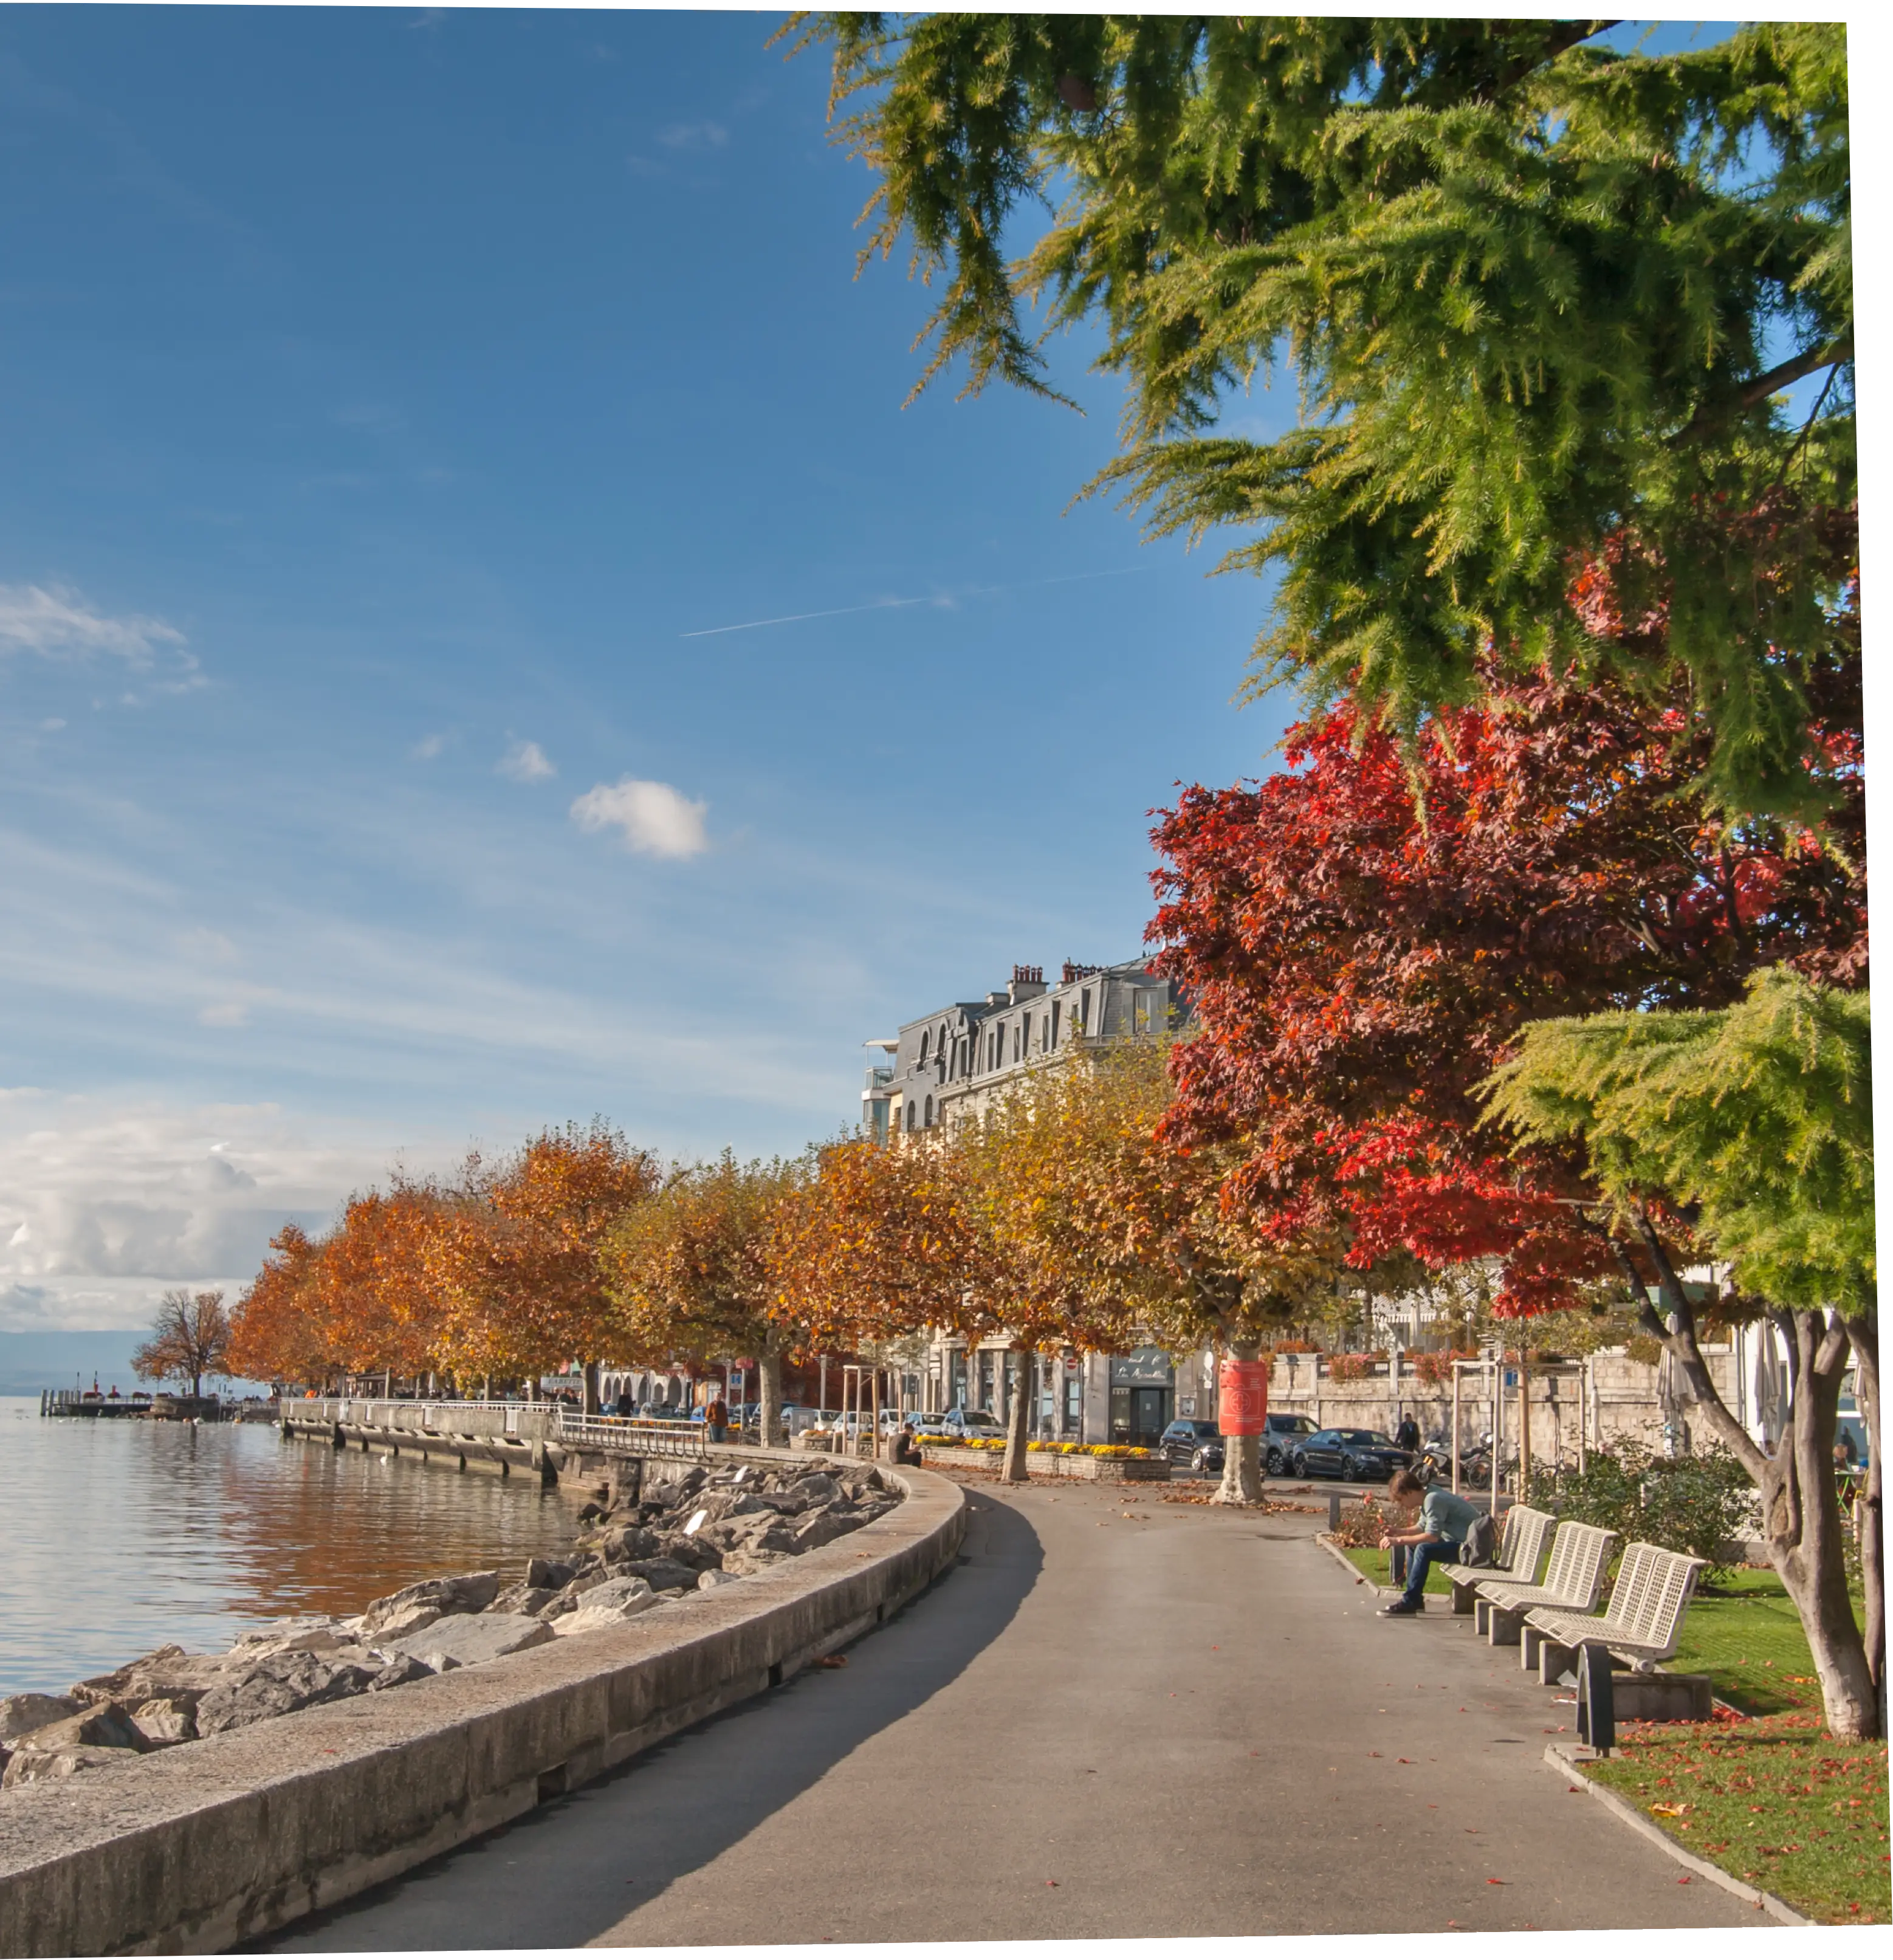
[{"x": 1143, "y": 1396}]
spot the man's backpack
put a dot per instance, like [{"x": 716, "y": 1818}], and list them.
[{"x": 1482, "y": 1541}]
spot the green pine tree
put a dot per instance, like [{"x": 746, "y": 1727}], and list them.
[{"x": 1539, "y": 297}]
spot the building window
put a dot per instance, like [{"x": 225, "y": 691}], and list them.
[
  {"x": 1055, "y": 1006},
  {"x": 925, "y": 1038},
  {"x": 1084, "y": 1012},
  {"x": 927, "y": 1120},
  {"x": 910, "y": 1119},
  {"x": 1018, "y": 1038}
]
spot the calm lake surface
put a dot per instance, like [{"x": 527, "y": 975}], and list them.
[{"x": 119, "y": 1535}]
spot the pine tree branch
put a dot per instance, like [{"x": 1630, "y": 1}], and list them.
[{"x": 1564, "y": 36}]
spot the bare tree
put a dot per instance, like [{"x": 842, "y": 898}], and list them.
[{"x": 190, "y": 1338}]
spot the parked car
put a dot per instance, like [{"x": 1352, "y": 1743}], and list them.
[
  {"x": 1361, "y": 1455},
  {"x": 1185, "y": 1439},
  {"x": 1207, "y": 1457},
  {"x": 1280, "y": 1434},
  {"x": 929, "y": 1428},
  {"x": 963, "y": 1423}
]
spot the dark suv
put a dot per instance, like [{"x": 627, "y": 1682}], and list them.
[
  {"x": 1183, "y": 1441},
  {"x": 1280, "y": 1435}
]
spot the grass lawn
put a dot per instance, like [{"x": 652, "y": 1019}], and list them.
[
  {"x": 1776, "y": 1800},
  {"x": 1373, "y": 1562}
]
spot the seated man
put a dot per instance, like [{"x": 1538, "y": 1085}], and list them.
[{"x": 1445, "y": 1519}]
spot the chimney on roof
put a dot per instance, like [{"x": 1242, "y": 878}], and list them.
[
  {"x": 1072, "y": 971},
  {"x": 1027, "y": 981}
]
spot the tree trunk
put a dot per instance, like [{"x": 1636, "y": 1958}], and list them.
[
  {"x": 1800, "y": 1507},
  {"x": 769, "y": 1396},
  {"x": 1018, "y": 1423},
  {"x": 1242, "y": 1455},
  {"x": 588, "y": 1377},
  {"x": 1865, "y": 1335}
]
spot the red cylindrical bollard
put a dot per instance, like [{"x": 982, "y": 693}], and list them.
[{"x": 1241, "y": 1397}]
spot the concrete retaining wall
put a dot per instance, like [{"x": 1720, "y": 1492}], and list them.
[{"x": 194, "y": 1849}]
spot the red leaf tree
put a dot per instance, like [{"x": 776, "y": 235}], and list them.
[{"x": 1363, "y": 940}]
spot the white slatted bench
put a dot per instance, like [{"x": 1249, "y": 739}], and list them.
[
  {"x": 1641, "y": 1625},
  {"x": 1580, "y": 1555},
  {"x": 1519, "y": 1552}
]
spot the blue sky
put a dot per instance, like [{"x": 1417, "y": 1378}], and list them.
[{"x": 390, "y": 403}]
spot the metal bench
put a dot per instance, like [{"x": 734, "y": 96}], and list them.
[
  {"x": 1641, "y": 1626},
  {"x": 1573, "y": 1579},
  {"x": 1520, "y": 1549}
]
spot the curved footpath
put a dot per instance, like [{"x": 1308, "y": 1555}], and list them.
[{"x": 1119, "y": 1716}]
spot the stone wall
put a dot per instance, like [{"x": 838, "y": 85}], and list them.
[
  {"x": 192, "y": 1850},
  {"x": 1612, "y": 1399}
]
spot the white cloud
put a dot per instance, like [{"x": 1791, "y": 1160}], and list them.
[
  {"x": 427, "y": 748},
  {"x": 698, "y": 136},
  {"x": 105, "y": 1205},
  {"x": 57, "y": 623},
  {"x": 657, "y": 820},
  {"x": 526, "y": 762},
  {"x": 225, "y": 1014}
]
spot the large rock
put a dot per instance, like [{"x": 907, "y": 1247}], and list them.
[
  {"x": 278, "y": 1684},
  {"x": 744, "y": 1562},
  {"x": 661, "y": 1574},
  {"x": 466, "y": 1640},
  {"x": 709, "y": 1582},
  {"x": 623, "y": 1541},
  {"x": 417, "y": 1606},
  {"x": 523, "y": 1599},
  {"x": 103, "y": 1727},
  {"x": 55, "y": 1765},
  {"x": 610, "y": 1604},
  {"x": 20, "y": 1713},
  {"x": 548, "y": 1575},
  {"x": 818, "y": 1487},
  {"x": 166, "y": 1718},
  {"x": 823, "y": 1527},
  {"x": 319, "y": 1634}
]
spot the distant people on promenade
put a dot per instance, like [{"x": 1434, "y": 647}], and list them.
[{"x": 717, "y": 1417}]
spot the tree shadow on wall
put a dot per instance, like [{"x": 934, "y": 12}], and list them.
[{"x": 573, "y": 1868}]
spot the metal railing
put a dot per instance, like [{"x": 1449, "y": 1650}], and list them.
[{"x": 634, "y": 1435}]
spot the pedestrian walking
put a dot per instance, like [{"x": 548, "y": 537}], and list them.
[{"x": 717, "y": 1417}]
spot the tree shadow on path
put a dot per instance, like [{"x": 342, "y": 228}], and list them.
[{"x": 572, "y": 1870}]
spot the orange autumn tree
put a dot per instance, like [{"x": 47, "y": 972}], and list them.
[
  {"x": 1114, "y": 1232},
  {"x": 690, "y": 1274},
  {"x": 877, "y": 1244},
  {"x": 277, "y": 1334},
  {"x": 370, "y": 1285},
  {"x": 524, "y": 1245}
]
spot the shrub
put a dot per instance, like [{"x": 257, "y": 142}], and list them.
[{"x": 1694, "y": 1504}]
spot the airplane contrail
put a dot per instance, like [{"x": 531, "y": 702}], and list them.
[{"x": 933, "y": 599}]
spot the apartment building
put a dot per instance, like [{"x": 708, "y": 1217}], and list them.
[{"x": 945, "y": 1066}]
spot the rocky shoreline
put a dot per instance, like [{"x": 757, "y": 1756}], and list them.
[{"x": 644, "y": 1549}]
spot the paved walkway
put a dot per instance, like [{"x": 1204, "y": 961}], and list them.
[{"x": 1118, "y": 1716}]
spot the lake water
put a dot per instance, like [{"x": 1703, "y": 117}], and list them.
[{"x": 117, "y": 1536}]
